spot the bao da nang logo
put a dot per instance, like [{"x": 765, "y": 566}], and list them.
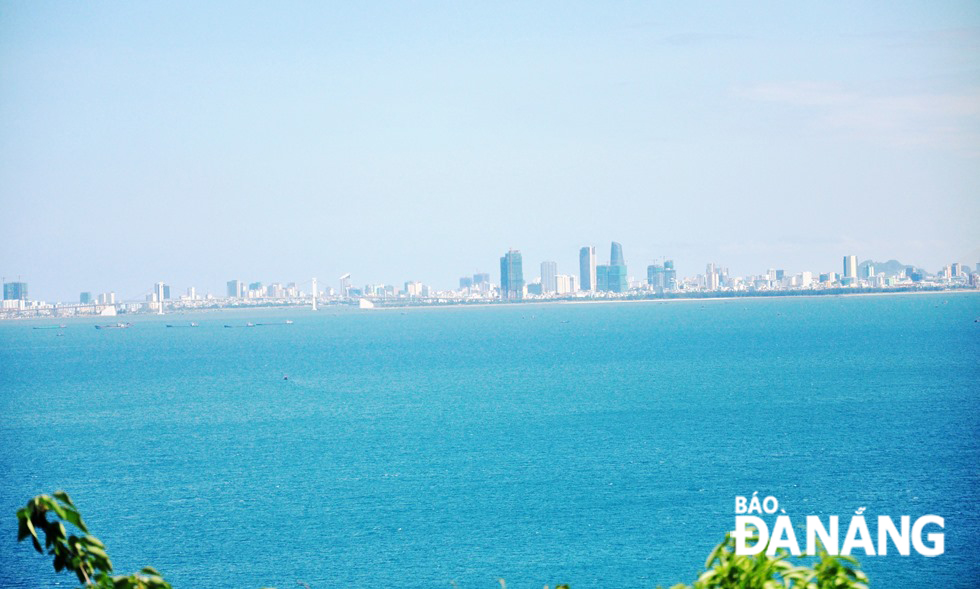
[{"x": 920, "y": 535}]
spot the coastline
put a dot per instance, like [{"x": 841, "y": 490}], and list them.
[{"x": 405, "y": 305}]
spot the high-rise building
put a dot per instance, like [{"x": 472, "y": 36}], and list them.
[
  {"x": 711, "y": 277},
  {"x": 511, "y": 276},
  {"x": 481, "y": 282},
  {"x": 670, "y": 275},
  {"x": 236, "y": 289},
  {"x": 159, "y": 292},
  {"x": 85, "y": 298},
  {"x": 15, "y": 291},
  {"x": 655, "y": 277},
  {"x": 465, "y": 282},
  {"x": 957, "y": 270},
  {"x": 616, "y": 255},
  {"x": 564, "y": 284},
  {"x": 587, "y": 268},
  {"x": 548, "y": 272},
  {"x": 612, "y": 277},
  {"x": 850, "y": 268}
]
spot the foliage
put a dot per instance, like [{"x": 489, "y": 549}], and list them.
[
  {"x": 83, "y": 555},
  {"x": 86, "y": 557},
  {"x": 726, "y": 570}
]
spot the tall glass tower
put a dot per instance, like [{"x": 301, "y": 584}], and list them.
[
  {"x": 511, "y": 276},
  {"x": 616, "y": 255},
  {"x": 549, "y": 270},
  {"x": 670, "y": 275},
  {"x": 616, "y": 271},
  {"x": 587, "y": 268}
]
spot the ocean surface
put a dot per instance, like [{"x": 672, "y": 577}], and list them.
[{"x": 600, "y": 445}]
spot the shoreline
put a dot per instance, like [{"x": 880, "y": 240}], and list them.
[
  {"x": 456, "y": 305},
  {"x": 678, "y": 299}
]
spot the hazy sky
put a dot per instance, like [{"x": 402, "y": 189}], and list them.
[{"x": 198, "y": 142}]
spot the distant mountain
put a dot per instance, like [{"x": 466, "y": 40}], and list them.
[{"x": 889, "y": 268}]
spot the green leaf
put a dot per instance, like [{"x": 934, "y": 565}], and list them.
[
  {"x": 37, "y": 544},
  {"x": 63, "y": 497},
  {"x": 73, "y": 517}
]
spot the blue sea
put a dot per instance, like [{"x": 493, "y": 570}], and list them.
[{"x": 601, "y": 445}]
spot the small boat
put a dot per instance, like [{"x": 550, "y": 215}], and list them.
[
  {"x": 114, "y": 326},
  {"x": 50, "y": 326}
]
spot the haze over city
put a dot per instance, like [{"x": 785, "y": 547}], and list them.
[{"x": 199, "y": 143}]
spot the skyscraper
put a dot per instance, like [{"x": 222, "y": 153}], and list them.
[
  {"x": 655, "y": 277},
  {"x": 850, "y": 268},
  {"x": 236, "y": 289},
  {"x": 711, "y": 277},
  {"x": 548, "y": 272},
  {"x": 612, "y": 277},
  {"x": 616, "y": 255},
  {"x": 481, "y": 281},
  {"x": 511, "y": 276},
  {"x": 670, "y": 275},
  {"x": 15, "y": 291},
  {"x": 587, "y": 268}
]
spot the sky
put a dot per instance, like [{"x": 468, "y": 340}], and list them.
[{"x": 194, "y": 143}]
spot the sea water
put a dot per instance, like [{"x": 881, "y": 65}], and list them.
[{"x": 601, "y": 445}]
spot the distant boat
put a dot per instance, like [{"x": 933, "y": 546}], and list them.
[
  {"x": 191, "y": 324},
  {"x": 50, "y": 326},
  {"x": 114, "y": 326}
]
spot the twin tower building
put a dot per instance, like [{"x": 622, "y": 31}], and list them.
[{"x": 609, "y": 277}]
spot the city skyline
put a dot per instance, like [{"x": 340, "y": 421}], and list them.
[
  {"x": 196, "y": 143},
  {"x": 513, "y": 281}
]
